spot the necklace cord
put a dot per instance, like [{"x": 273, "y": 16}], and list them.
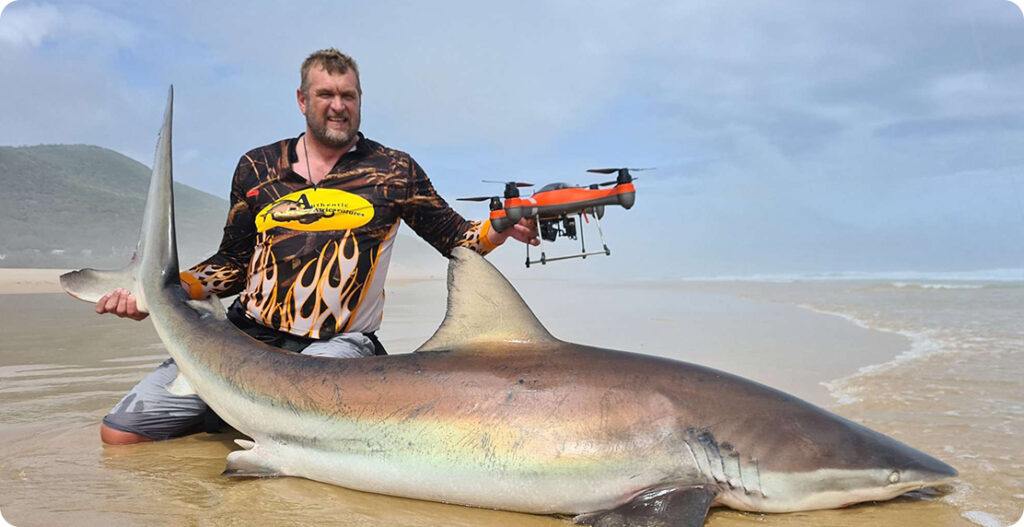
[{"x": 309, "y": 171}]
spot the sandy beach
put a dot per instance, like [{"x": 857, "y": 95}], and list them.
[
  {"x": 868, "y": 351},
  {"x": 29, "y": 281}
]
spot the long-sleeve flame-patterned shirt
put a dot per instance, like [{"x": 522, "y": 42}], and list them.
[{"x": 311, "y": 260}]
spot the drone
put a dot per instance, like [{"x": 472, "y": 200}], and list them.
[{"x": 557, "y": 206}]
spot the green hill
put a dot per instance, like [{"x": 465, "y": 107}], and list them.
[{"x": 64, "y": 206}]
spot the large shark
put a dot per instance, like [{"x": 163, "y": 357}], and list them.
[{"x": 493, "y": 411}]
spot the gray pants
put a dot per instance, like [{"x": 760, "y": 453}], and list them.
[{"x": 151, "y": 411}]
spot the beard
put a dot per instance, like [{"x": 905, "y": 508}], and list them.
[{"x": 329, "y": 137}]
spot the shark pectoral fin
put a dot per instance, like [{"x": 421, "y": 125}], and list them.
[
  {"x": 249, "y": 464},
  {"x": 660, "y": 507},
  {"x": 91, "y": 284},
  {"x": 181, "y": 387},
  {"x": 483, "y": 307}
]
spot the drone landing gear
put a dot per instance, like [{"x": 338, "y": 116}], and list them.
[{"x": 565, "y": 226}]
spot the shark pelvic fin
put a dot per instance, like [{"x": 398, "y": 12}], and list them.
[
  {"x": 181, "y": 387},
  {"x": 249, "y": 464},
  {"x": 658, "y": 507},
  {"x": 483, "y": 307}
]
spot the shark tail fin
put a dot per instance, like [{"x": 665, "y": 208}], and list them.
[
  {"x": 483, "y": 307},
  {"x": 91, "y": 284}
]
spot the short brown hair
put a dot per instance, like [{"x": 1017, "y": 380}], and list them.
[{"x": 332, "y": 61}]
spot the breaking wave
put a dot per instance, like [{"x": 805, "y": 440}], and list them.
[{"x": 922, "y": 344}]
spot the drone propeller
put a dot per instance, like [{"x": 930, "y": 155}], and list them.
[
  {"x": 476, "y": 198},
  {"x": 614, "y": 182},
  {"x": 495, "y": 201},
  {"x": 623, "y": 175},
  {"x": 614, "y": 170},
  {"x": 511, "y": 187},
  {"x": 518, "y": 184}
]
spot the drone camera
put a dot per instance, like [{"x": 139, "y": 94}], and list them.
[
  {"x": 569, "y": 227},
  {"x": 551, "y": 229},
  {"x": 548, "y": 231}
]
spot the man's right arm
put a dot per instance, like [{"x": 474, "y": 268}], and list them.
[{"x": 222, "y": 274}]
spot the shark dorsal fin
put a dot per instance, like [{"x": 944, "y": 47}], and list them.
[{"x": 483, "y": 307}]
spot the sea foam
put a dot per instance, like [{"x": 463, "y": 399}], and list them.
[{"x": 922, "y": 344}]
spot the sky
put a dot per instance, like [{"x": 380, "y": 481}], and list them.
[{"x": 789, "y": 137}]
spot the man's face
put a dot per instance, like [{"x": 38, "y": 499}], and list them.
[{"x": 331, "y": 106}]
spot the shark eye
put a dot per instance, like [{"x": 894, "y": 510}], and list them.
[{"x": 894, "y": 477}]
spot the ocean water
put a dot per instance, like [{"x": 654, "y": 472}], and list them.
[
  {"x": 915, "y": 278},
  {"x": 957, "y": 387}
]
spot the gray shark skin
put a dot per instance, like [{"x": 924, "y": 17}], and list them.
[{"x": 495, "y": 412}]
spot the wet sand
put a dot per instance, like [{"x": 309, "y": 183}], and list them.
[
  {"x": 29, "y": 281},
  {"x": 62, "y": 367}
]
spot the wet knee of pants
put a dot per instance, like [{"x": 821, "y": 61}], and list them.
[{"x": 151, "y": 411}]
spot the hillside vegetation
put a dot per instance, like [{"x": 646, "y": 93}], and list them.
[{"x": 64, "y": 206}]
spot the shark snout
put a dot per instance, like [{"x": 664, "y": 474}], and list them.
[
  {"x": 908, "y": 467},
  {"x": 928, "y": 471}
]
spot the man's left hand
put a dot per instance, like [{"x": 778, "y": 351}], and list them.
[{"x": 525, "y": 231}]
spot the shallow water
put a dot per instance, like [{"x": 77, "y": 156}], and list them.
[
  {"x": 957, "y": 389},
  {"x": 62, "y": 367}
]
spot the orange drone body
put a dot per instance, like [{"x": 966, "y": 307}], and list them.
[
  {"x": 561, "y": 200},
  {"x": 554, "y": 205}
]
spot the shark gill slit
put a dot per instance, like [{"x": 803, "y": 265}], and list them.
[
  {"x": 693, "y": 455},
  {"x": 737, "y": 481},
  {"x": 757, "y": 472}
]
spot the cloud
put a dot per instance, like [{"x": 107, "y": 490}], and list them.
[
  {"x": 801, "y": 121},
  {"x": 32, "y": 24},
  {"x": 28, "y": 26},
  {"x": 4, "y": 4},
  {"x": 1019, "y": 4}
]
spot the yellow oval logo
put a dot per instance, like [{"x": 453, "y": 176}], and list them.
[{"x": 320, "y": 209}]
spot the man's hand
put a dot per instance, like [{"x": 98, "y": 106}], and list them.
[
  {"x": 121, "y": 303},
  {"x": 525, "y": 231}
]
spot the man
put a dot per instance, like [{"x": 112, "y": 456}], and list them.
[{"x": 306, "y": 246}]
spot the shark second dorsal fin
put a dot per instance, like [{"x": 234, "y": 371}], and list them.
[{"x": 483, "y": 307}]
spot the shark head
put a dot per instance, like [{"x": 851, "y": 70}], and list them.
[{"x": 835, "y": 463}]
